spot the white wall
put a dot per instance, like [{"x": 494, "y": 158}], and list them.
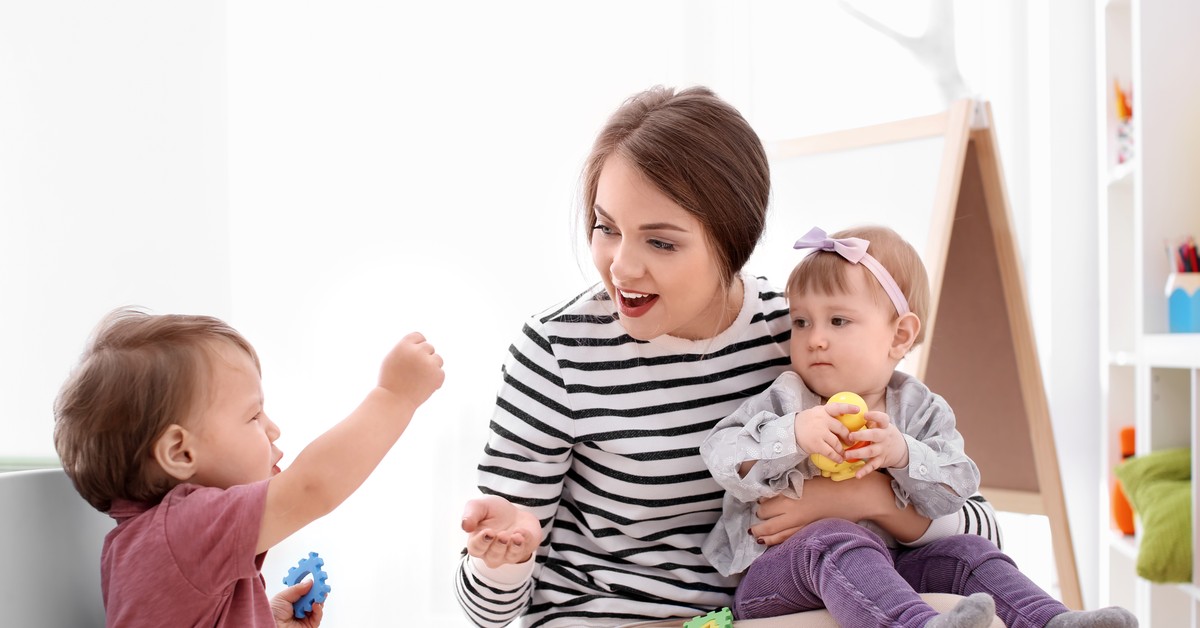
[
  {"x": 403, "y": 166},
  {"x": 1067, "y": 219},
  {"x": 112, "y": 183}
]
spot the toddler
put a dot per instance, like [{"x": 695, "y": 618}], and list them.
[
  {"x": 162, "y": 427},
  {"x": 856, "y": 305}
]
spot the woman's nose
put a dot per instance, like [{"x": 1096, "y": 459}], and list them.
[{"x": 626, "y": 263}]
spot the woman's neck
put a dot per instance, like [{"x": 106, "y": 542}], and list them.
[{"x": 724, "y": 309}]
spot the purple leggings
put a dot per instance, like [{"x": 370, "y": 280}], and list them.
[{"x": 846, "y": 568}]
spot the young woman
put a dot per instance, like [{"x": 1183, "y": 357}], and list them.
[{"x": 596, "y": 500}]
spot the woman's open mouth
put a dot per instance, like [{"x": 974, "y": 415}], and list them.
[{"x": 634, "y": 304}]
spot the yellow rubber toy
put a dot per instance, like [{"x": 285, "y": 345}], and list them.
[{"x": 838, "y": 471}]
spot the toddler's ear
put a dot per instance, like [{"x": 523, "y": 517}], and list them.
[
  {"x": 174, "y": 454},
  {"x": 907, "y": 328}
]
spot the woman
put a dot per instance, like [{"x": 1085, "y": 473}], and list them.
[{"x": 596, "y": 498}]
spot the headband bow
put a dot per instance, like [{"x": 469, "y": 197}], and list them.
[{"x": 854, "y": 250}]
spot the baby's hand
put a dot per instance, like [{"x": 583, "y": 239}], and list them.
[
  {"x": 500, "y": 533},
  {"x": 819, "y": 432},
  {"x": 284, "y": 613},
  {"x": 887, "y": 447},
  {"x": 412, "y": 370}
]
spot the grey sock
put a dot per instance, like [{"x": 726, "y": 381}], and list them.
[
  {"x": 974, "y": 611},
  {"x": 1111, "y": 617}
]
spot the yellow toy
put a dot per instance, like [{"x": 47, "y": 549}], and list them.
[{"x": 838, "y": 471}]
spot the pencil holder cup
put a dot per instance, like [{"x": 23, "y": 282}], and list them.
[{"x": 1183, "y": 303}]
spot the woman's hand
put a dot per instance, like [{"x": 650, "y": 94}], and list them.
[
  {"x": 822, "y": 499},
  {"x": 284, "y": 613},
  {"x": 868, "y": 498},
  {"x": 499, "y": 532}
]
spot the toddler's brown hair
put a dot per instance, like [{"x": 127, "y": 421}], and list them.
[{"x": 139, "y": 374}]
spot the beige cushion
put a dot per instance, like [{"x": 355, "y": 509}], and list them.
[{"x": 942, "y": 602}]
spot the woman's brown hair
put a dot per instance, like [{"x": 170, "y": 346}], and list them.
[
  {"x": 139, "y": 374},
  {"x": 701, "y": 153}
]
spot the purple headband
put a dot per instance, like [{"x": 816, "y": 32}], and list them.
[{"x": 854, "y": 250}]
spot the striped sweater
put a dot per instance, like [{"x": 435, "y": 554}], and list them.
[{"x": 597, "y": 434}]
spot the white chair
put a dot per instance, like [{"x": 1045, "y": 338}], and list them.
[{"x": 50, "y": 540}]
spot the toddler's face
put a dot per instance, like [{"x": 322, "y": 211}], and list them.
[
  {"x": 841, "y": 342},
  {"x": 235, "y": 441}
]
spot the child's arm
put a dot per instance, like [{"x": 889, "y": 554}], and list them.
[
  {"x": 334, "y": 465},
  {"x": 935, "y": 474},
  {"x": 752, "y": 453}
]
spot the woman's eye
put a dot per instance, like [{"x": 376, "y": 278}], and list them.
[
  {"x": 662, "y": 246},
  {"x": 604, "y": 229}
]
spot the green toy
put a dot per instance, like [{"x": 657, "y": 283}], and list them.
[{"x": 716, "y": 619}]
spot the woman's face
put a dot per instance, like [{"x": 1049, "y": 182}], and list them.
[{"x": 655, "y": 260}]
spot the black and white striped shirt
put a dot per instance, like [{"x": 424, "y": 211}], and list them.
[{"x": 597, "y": 434}]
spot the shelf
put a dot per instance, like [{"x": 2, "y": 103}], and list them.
[
  {"x": 1171, "y": 350},
  {"x": 1127, "y": 545},
  {"x": 1190, "y": 590},
  {"x": 1149, "y": 378},
  {"x": 1161, "y": 351},
  {"x": 1122, "y": 358}
]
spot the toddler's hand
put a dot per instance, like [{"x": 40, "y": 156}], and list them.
[
  {"x": 412, "y": 370},
  {"x": 819, "y": 432},
  {"x": 284, "y": 614},
  {"x": 887, "y": 449},
  {"x": 499, "y": 532}
]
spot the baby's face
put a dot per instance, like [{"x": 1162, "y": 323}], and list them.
[
  {"x": 842, "y": 342},
  {"x": 234, "y": 440}
]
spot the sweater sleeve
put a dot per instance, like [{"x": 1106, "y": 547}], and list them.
[
  {"x": 525, "y": 461},
  {"x": 763, "y": 430},
  {"x": 940, "y": 476},
  {"x": 488, "y": 596}
]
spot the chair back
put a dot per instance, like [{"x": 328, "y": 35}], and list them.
[{"x": 50, "y": 541}]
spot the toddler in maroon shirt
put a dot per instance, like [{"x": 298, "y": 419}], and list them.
[{"x": 161, "y": 425}]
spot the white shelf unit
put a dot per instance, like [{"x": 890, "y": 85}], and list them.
[{"x": 1150, "y": 379}]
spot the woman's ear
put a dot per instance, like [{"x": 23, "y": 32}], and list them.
[
  {"x": 907, "y": 328},
  {"x": 173, "y": 452}
]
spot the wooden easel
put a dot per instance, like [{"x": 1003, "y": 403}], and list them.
[{"x": 982, "y": 358}]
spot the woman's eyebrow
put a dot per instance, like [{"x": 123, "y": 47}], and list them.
[{"x": 653, "y": 226}]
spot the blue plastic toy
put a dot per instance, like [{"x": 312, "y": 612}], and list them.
[{"x": 316, "y": 595}]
